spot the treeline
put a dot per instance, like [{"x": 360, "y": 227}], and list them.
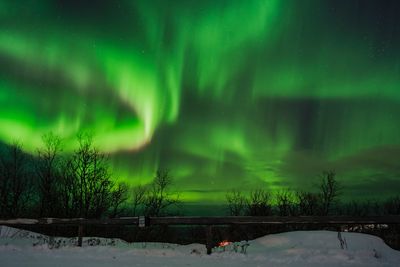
[
  {"x": 55, "y": 184},
  {"x": 81, "y": 184},
  {"x": 324, "y": 200}
]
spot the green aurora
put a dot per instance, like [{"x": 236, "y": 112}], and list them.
[{"x": 225, "y": 94}]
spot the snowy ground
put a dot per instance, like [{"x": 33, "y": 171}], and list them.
[{"x": 311, "y": 248}]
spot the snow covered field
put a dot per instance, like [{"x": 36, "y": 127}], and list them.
[{"x": 311, "y": 248}]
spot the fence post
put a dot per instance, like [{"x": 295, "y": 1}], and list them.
[
  {"x": 209, "y": 239},
  {"x": 80, "y": 235}
]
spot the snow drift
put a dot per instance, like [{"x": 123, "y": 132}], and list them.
[{"x": 302, "y": 248}]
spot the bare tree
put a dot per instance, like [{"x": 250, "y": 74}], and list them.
[
  {"x": 158, "y": 198},
  {"x": 15, "y": 183},
  {"x": 139, "y": 195},
  {"x": 48, "y": 172},
  {"x": 69, "y": 189},
  {"x": 329, "y": 191},
  {"x": 285, "y": 203},
  {"x": 118, "y": 197},
  {"x": 391, "y": 206},
  {"x": 308, "y": 203},
  {"x": 89, "y": 189},
  {"x": 236, "y": 202},
  {"x": 259, "y": 203}
]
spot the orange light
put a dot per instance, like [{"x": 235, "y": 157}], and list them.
[{"x": 224, "y": 243}]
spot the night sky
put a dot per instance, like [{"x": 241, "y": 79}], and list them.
[{"x": 225, "y": 94}]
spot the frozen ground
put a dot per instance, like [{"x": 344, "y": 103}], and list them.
[{"x": 311, "y": 248}]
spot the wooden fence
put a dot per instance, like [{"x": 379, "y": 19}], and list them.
[{"x": 207, "y": 221}]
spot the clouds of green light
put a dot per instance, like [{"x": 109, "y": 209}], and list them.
[{"x": 246, "y": 93}]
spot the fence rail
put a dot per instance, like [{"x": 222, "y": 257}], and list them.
[
  {"x": 207, "y": 221},
  {"x": 229, "y": 220},
  {"x": 273, "y": 220}
]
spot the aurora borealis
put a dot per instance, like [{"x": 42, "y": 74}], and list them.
[{"x": 225, "y": 94}]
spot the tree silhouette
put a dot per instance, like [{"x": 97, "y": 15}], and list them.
[
  {"x": 158, "y": 198},
  {"x": 285, "y": 203},
  {"x": 139, "y": 196},
  {"x": 259, "y": 203},
  {"x": 308, "y": 203},
  {"x": 88, "y": 189},
  {"x": 48, "y": 172},
  {"x": 15, "y": 184},
  {"x": 236, "y": 203},
  {"x": 329, "y": 191}
]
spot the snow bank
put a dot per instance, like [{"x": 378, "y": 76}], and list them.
[{"x": 303, "y": 248}]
